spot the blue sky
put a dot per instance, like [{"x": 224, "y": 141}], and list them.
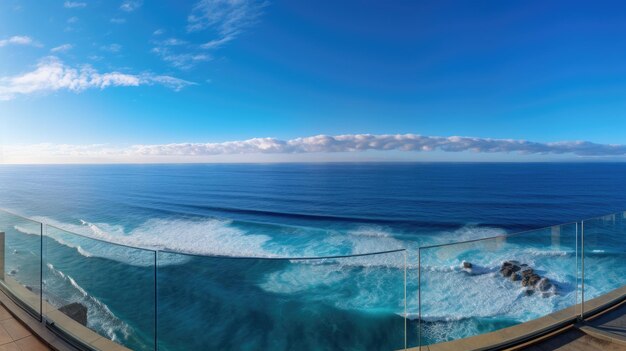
[{"x": 122, "y": 74}]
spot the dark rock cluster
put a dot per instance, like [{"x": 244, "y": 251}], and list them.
[{"x": 529, "y": 278}]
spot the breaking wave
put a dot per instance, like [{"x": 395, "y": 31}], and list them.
[
  {"x": 26, "y": 230},
  {"x": 99, "y": 316}
]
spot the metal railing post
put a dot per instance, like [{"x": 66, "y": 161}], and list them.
[
  {"x": 577, "y": 258},
  {"x": 41, "y": 229},
  {"x": 2, "y": 256},
  {"x": 419, "y": 297},
  {"x": 156, "y": 302},
  {"x": 582, "y": 274},
  {"x": 406, "y": 316}
]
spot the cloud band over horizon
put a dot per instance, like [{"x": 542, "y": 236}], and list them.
[{"x": 325, "y": 144}]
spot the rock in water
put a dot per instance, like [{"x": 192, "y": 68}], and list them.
[
  {"x": 529, "y": 279},
  {"x": 534, "y": 279},
  {"x": 509, "y": 268},
  {"x": 506, "y": 271},
  {"x": 544, "y": 284},
  {"x": 76, "y": 311},
  {"x": 527, "y": 272}
]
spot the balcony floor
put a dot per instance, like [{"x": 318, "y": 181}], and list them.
[
  {"x": 604, "y": 333},
  {"x": 15, "y": 337}
]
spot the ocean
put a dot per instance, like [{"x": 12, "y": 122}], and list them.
[{"x": 223, "y": 232}]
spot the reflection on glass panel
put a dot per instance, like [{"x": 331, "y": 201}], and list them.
[
  {"x": 20, "y": 261},
  {"x": 222, "y": 303},
  {"x": 482, "y": 286},
  {"x": 604, "y": 247},
  {"x": 101, "y": 294}
]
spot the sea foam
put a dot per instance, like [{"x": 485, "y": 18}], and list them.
[{"x": 99, "y": 316}]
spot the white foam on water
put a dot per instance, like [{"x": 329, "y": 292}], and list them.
[
  {"x": 467, "y": 232},
  {"x": 298, "y": 278},
  {"x": 83, "y": 252},
  {"x": 370, "y": 283},
  {"x": 193, "y": 236},
  {"x": 26, "y": 230},
  {"x": 449, "y": 330},
  {"x": 453, "y": 296},
  {"x": 99, "y": 316},
  {"x": 202, "y": 236},
  {"x": 210, "y": 236},
  {"x": 546, "y": 252},
  {"x": 457, "y": 296},
  {"x": 375, "y": 281},
  {"x": 368, "y": 239},
  {"x": 341, "y": 284}
]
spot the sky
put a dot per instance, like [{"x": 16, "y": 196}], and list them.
[{"x": 278, "y": 81}]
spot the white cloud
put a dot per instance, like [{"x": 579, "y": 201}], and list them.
[
  {"x": 180, "y": 60},
  {"x": 53, "y": 75},
  {"x": 364, "y": 142},
  {"x": 73, "y": 19},
  {"x": 173, "y": 42},
  {"x": 17, "y": 40},
  {"x": 214, "y": 44},
  {"x": 173, "y": 83},
  {"x": 62, "y": 48},
  {"x": 226, "y": 18},
  {"x": 130, "y": 5},
  {"x": 179, "y": 53},
  {"x": 74, "y": 4},
  {"x": 320, "y": 144},
  {"x": 223, "y": 19},
  {"x": 114, "y": 48}
]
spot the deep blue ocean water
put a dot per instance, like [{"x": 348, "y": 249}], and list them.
[{"x": 304, "y": 210}]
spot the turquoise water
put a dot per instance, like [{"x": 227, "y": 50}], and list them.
[{"x": 273, "y": 211}]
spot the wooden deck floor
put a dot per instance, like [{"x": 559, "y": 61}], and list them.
[
  {"x": 575, "y": 340},
  {"x": 607, "y": 332}
]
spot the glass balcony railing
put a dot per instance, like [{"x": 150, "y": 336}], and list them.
[
  {"x": 107, "y": 296},
  {"x": 481, "y": 286},
  {"x": 98, "y": 292},
  {"x": 604, "y": 260},
  {"x": 20, "y": 273},
  {"x": 320, "y": 303}
]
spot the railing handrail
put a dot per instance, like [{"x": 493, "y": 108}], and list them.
[
  {"x": 279, "y": 258},
  {"x": 507, "y": 235},
  {"x": 65, "y": 231}
]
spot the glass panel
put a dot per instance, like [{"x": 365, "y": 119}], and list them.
[
  {"x": 604, "y": 247},
  {"x": 222, "y": 303},
  {"x": 482, "y": 286},
  {"x": 20, "y": 264},
  {"x": 100, "y": 293}
]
